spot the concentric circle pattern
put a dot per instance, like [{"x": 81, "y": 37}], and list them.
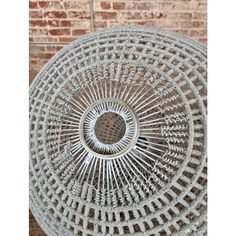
[{"x": 118, "y": 136}]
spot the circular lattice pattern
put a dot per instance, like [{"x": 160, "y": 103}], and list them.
[
  {"x": 108, "y": 128},
  {"x": 118, "y": 136}
]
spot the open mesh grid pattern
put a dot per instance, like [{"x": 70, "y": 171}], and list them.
[{"x": 118, "y": 136}]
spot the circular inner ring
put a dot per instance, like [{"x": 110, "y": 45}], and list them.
[{"x": 108, "y": 128}]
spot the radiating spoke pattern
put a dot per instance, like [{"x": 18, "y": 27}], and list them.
[{"x": 118, "y": 136}]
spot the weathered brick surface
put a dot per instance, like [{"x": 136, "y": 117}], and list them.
[{"x": 58, "y": 22}]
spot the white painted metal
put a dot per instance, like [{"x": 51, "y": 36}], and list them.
[{"x": 118, "y": 136}]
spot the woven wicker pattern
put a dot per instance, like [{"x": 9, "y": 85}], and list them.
[
  {"x": 118, "y": 136},
  {"x": 110, "y": 128}
]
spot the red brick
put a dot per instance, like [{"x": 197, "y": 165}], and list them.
[
  {"x": 105, "y": 5},
  {"x": 53, "y": 48},
  {"x": 66, "y": 39},
  {"x": 36, "y": 49},
  {"x": 40, "y": 23},
  {"x": 54, "y": 23},
  {"x": 73, "y": 5},
  {"x": 57, "y": 5},
  {"x": 38, "y": 32},
  {"x": 192, "y": 24},
  {"x": 59, "y": 32},
  {"x": 202, "y": 6},
  {"x": 130, "y": 5},
  {"x": 33, "y": 61},
  {"x": 53, "y": 5},
  {"x": 101, "y": 24},
  {"x": 167, "y": 6},
  {"x": 152, "y": 15},
  {"x": 202, "y": 40},
  {"x": 33, "y": 5},
  {"x": 79, "y": 32},
  {"x": 186, "y": 6},
  {"x": 45, "y": 39},
  {"x": 185, "y": 32},
  {"x": 106, "y": 15},
  {"x": 198, "y": 33},
  {"x": 79, "y": 14},
  {"x": 180, "y": 16},
  {"x": 142, "y": 23},
  {"x": 145, "y": 6},
  {"x": 131, "y": 15},
  {"x": 200, "y": 15},
  {"x": 43, "y": 23},
  {"x": 118, "y": 5},
  {"x": 37, "y": 54},
  {"x": 171, "y": 24},
  {"x": 44, "y": 4},
  {"x": 80, "y": 24},
  {"x": 38, "y": 63},
  {"x": 45, "y": 55},
  {"x": 55, "y": 14},
  {"x": 35, "y": 14},
  {"x": 65, "y": 23}
]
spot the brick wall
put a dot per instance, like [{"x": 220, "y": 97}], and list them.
[{"x": 54, "y": 23}]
